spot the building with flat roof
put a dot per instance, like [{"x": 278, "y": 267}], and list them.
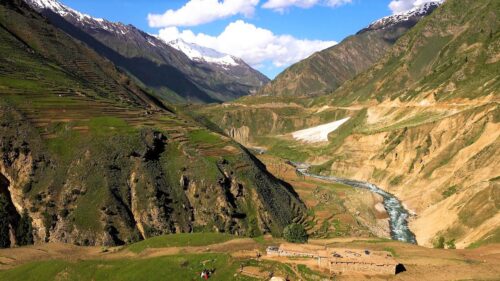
[{"x": 340, "y": 260}]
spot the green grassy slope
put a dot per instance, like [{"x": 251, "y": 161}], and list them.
[
  {"x": 94, "y": 159},
  {"x": 450, "y": 54},
  {"x": 175, "y": 268}
]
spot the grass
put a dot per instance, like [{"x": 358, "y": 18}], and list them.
[
  {"x": 426, "y": 55},
  {"x": 450, "y": 191},
  {"x": 204, "y": 136},
  {"x": 65, "y": 144},
  {"x": 490, "y": 238},
  {"x": 392, "y": 251},
  {"x": 108, "y": 125},
  {"x": 309, "y": 274},
  {"x": 285, "y": 149},
  {"x": 180, "y": 240},
  {"x": 172, "y": 268},
  {"x": 87, "y": 214},
  {"x": 323, "y": 168},
  {"x": 396, "y": 180}
]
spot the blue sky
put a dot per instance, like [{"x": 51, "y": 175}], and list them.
[{"x": 269, "y": 38}]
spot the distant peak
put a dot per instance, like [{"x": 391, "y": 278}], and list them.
[
  {"x": 77, "y": 17},
  {"x": 199, "y": 53},
  {"x": 417, "y": 12},
  {"x": 59, "y": 8},
  {"x": 48, "y": 4},
  {"x": 422, "y": 8}
]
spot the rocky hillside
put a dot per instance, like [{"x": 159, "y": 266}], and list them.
[
  {"x": 88, "y": 157},
  {"x": 325, "y": 71},
  {"x": 451, "y": 55},
  {"x": 424, "y": 124},
  {"x": 156, "y": 64}
]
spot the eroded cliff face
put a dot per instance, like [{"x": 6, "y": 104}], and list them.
[
  {"x": 440, "y": 158},
  {"x": 438, "y": 168},
  {"x": 125, "y": 188},
  {"x": 241, "y": 134},
  {"x": 248, "y": 124}
]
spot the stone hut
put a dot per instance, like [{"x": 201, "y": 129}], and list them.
[
  {"x": 362, "y": 261},
  {"x": 340, "y": 260}
]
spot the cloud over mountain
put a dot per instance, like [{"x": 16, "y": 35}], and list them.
[
  {"x": 280, "y": 5},
  {"x": 400, "y": 6},
  {"x": 196, "y": 12},
  {"x": 253, "y": 44}
]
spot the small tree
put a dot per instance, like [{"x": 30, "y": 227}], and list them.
[
  {"x": 295, "y": 233},
  {"x": 439, "y": 243}
]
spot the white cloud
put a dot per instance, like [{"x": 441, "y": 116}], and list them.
[
  {"x": 400, "y": 6},
  {"x": 281, "y": 5},
  {"x": 196, "y": 12},
  {"x": 257, "y": 46}
]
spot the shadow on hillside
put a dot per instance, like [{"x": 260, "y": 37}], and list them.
[{"x": 151, "y": 74}]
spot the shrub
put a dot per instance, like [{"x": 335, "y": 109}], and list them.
[
  {"x": 450, "y": 244},
  {"x": 450, "y": 191},
  {"x": 439, "y": 243},
  {"x": 295, "y": 233}
]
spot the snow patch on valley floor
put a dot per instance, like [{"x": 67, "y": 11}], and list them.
[{"x": 319, "y": 133}]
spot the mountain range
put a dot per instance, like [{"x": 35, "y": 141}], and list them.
[
  {"x": 167, "y": 68},
  {"x": 324, "y": 71}
]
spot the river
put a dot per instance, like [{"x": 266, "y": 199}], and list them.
[{"x": 398, "y": 215}]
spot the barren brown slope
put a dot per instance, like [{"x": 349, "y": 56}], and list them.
[{"x": 424, "y": 123}]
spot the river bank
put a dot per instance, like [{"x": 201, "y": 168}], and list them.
[{"x": 398, "y": 215}]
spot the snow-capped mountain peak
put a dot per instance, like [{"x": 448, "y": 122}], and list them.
[
  {"x": 198, "y": 53},
  {"x": 48, "y": 4},
  {"x": 60, "y": 9},
  {"x": 416, "y": 12},
  {"x": 77, "y": 17}
]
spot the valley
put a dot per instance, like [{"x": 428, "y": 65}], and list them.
[
  {"x": 398, "y": 215},
  {"x": 435, "y": 147},
  {"x": 127, "y": 156},
  {"x": 375, "y": 144}
]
